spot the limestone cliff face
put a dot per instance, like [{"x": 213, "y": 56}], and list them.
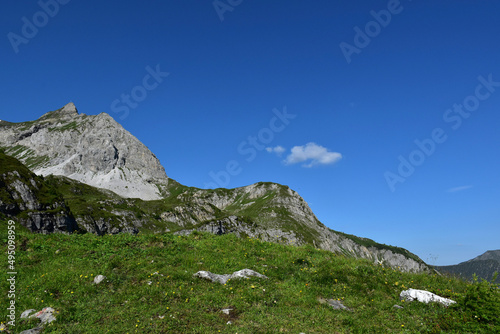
[{"x": 95, "y": 150}]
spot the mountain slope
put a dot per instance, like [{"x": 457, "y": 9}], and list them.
[
  {"x": 25, "y": 196},
  {"x": 264, "y": 210},
  {"x": 95, "y": 150},
  {"x": 484, "y": 266}
]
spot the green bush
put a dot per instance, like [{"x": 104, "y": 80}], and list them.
[{"x": 481, "y": 301}]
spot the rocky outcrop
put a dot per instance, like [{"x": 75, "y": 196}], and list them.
[
  {"x": 102, "y": 226},
  {"x": 275, "y": 213},
  {"x": 25, "y": 197},
  {"x": 393, "y": 257},
  {"x": 95, "y": 150}
]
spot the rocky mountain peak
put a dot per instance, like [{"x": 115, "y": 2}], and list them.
[
  {"x": 68, "y": 111},
  {"x": 69, "y": 108},
  {"x": 95, "y": 150}
]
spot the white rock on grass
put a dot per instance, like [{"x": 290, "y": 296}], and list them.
[
  {"x": 99, "y": 278},
  {"x": 26, "y": 313},
  {"x": 45, "y": 316},
  {"x": 424, "y": 297},
  {"x": 222, "y": 279}
]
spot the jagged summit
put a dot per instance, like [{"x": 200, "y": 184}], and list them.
[
  {"x": 95, "y": 150},
  {"x": 69, "y": 110}
]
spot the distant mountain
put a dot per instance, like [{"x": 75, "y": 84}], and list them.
[
  {"x": 484, "y": 266},
  {"x": 103, "y": 178}
]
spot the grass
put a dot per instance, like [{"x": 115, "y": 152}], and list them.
[
  {"x": 150, "y": 288},
  {"x": 69, "y": 126}
]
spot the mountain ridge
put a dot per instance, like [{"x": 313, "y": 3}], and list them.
[
  {"x": 264, "y": 210},
  {"x": 483, "y": 266}
]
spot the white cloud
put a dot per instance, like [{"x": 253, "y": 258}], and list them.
[
  {"x": 277, "y": 149},
  {"x": 312, "y": 153},
  {"x": 454, "y": 190}
]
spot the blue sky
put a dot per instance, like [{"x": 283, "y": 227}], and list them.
[{"x": 383, "y": 115}]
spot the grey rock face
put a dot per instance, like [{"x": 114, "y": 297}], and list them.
[
  {"x": 338, "y": 243},
  {"x": 95, "y": 150},
  {"x": 22, "y": 196},
  {"x": 101, "y": 226}
]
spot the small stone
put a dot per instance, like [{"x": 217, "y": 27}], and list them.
[
  {"x": 336, "y": 304},
  {"x": 99, "y": 278},
  {"x": 226, "y": 310},
  {"x": 36, "y": 330},
  {"x": 26, "y": 313},
  {"x": 398, "y": 306}
]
